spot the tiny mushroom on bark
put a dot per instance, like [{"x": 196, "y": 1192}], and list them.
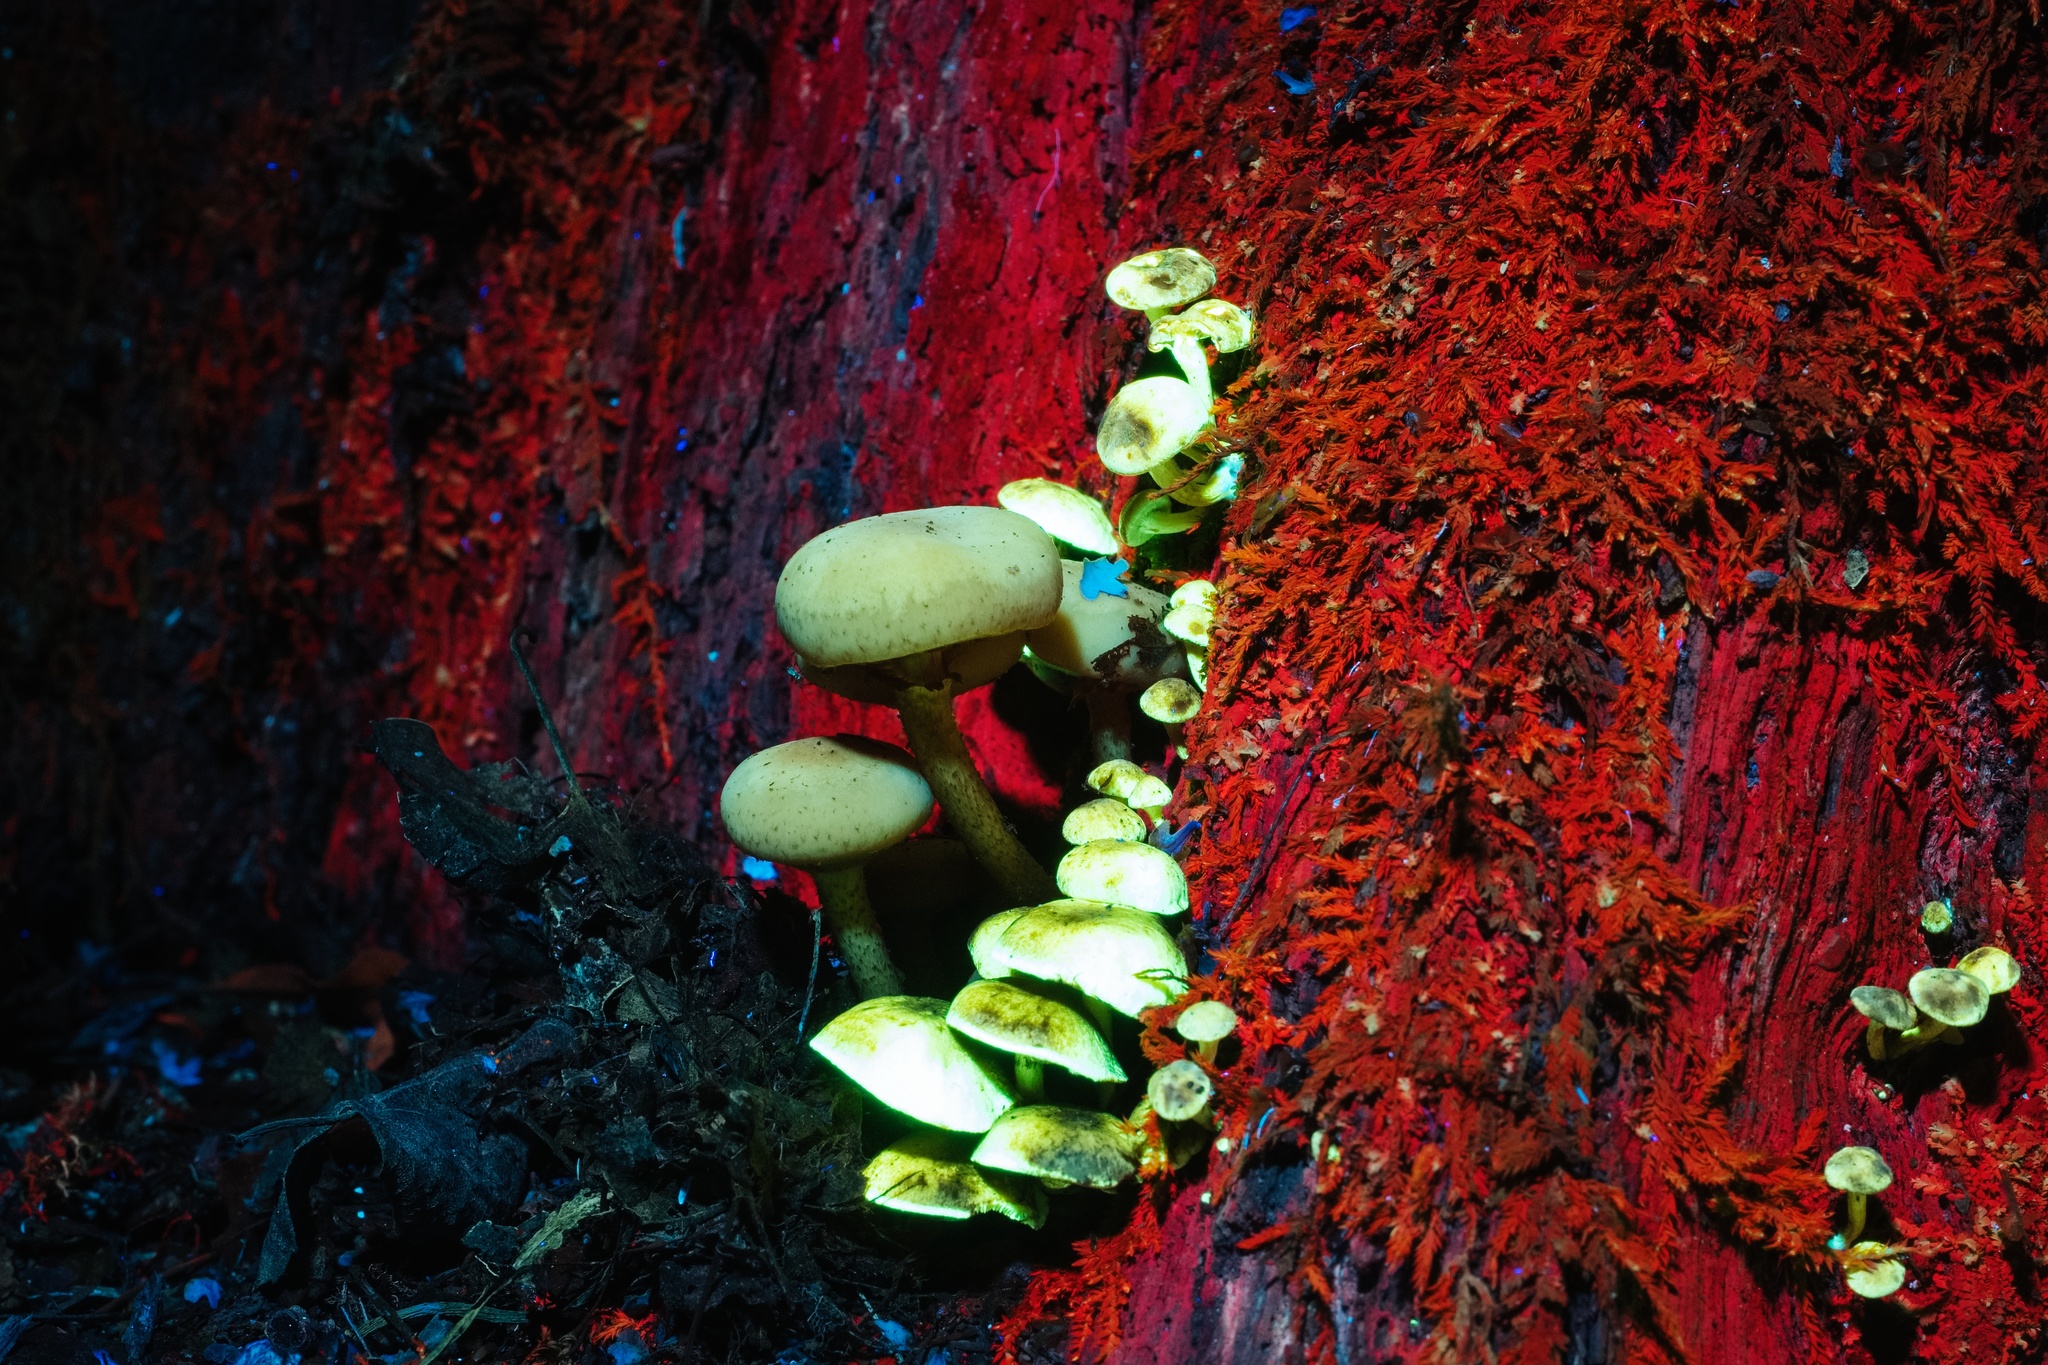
[
  {"x": 1173, "y": 702},
  {"x": 1157, "y": 282},
  {"x": 1937, "y": 917},
  {"x": 1206, "y": 1023},
  {"x": 1872, "y": 1271},
  {"x": 899, "y": 1049},
  {"x": 1103, "y": 818},
  {"x": 1950, "y": 999},
  {"x": 1994, "y": 969},
  {"x": 1035, "y": 1030},
  {"x": 1120, "y": 958},
  {"x": 827, "y": 806},
  {"x": 1132, "y": 785},
  {"x": 1885, "y": 1008},
  {"x": 1118, "y": 872},
  {"x": 1066, "y": 514},
  {"x": 1858, "y": 1172},
  {"x": 929, "y": 1174},
  {"x": 1180, "y": 1092},
  {"x": 1061, "y": 1146},
  {"x": 912, "y": 608},
  {"x": 1107, "y": 639}
]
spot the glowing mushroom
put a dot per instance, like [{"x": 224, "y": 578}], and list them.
[
  {"x": 899, "y": 1049},
  {"x": 827, "y": 806},
  {"x": 1224, "y": 324},
  {"x": 1994, "y": 969},
  {"x": 1132, "y": 785},
  {"x": 1950, "y": 999},
  {"x": 1858, "y": 1172},
  {"x": 1061, "y": 1146},
  {"x": 928, "y": 1174},
  {"x": 1118, "y": 872},
  {"x": 1180, "y": 1092},
  {"x": 1120, "y": 958},
  {"x": 1173, "y": 702},
  {"x": 1104, "y": 818},
  {"x": 1206, "y": 1023},
  {"x": 1151, "y": 420},
  {"x": 1035, "y": 1030},
  {"x": 1107, "y": 639},
  {"x": 912, "y": 608},
  {"x": 1066, "y": 514},
  {"x": 1937, "y": 917},
  {"x": 1157, "y": 282},
  {"x": 1885, "y": 1008},
  {"x": 1871, "y": 1270}
]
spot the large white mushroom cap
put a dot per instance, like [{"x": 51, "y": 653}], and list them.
[
  {"x": 823, "y": 803},
  {"x": 1012, "y": 1019},
  {"x": 1121, "y": 957},
  {"x": 1119, "y": 872},
  {"x": 1061, "y": 1146},
  {"x": 1166, "y": 278},
  {"x": 899, "y": 1049}
]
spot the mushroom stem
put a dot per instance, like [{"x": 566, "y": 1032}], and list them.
[
  {"x": 1207, "y": 1051},
  {"x": 934, "y": 734},
  {"x": 1858, "y": 1207},
  {"x": 850, "y": 919},
  {"x": 1098, "y": 1011},
  {"x": 1921, "y": 1034},
  {"x": 1873, "y": 1037},
  {"x": 1109, "y": 722},
  {"x": 1030, "y": 1079}
]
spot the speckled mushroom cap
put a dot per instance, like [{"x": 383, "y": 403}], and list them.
[
  {"x": 1179, "y": 1091},
  {"x": 1161, "y": 279},
  {"x": 904, "y": 583},
  {"x": 1206, "y": 1021},
  {"x": 1012, "y": 1019},
  {"x": 1885, "y": 1006},
  {"x": 1103, "y": 818},
  {"x": 1873, "y": 1272},
  {"x": 1222, "y": 322},
  {"x": 1171, "y": 701},
  {"x": 1858, "y": 1170},
  {"x": 1129, "y": 783},
  {"x": 1086, "y": 629},
  {"x": 1057, "y": 1144},
  {"x": 1190, "y": 612},
  {"x": 1066, "y": 514},
  {"x": 1150, "y": 421},
  {"x": 929, "y": 1174},
  {"x": 1121, "y": 957},
  {"x": 824, "y": 803},
  {"x": 1119, "y": 872},
  {"x": 1949, "y": 996},
  {"x": 899, "y": 1049},
  {"x": 1994, "y": 968}
]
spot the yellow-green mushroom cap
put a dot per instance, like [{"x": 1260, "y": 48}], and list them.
[
  {"x": 1858, "y": 1170},
  {"x": 1066, "y": 514},
  {"x": 1121, "y": 957},
  {"x": 1119, "y": 872},
  {"x": 1104, "y": 818},
  {"x": 1179, "y": 1091},
  {"x": 824, "y": 804},
  {"x": 1105, "y": 638},
  {"x": 1171, "y": 701},
  {"x": 1949, "y": 996},
  {"x": 1012, "y": 1019},
  {"x": 1937, "y": 917},
  {"x": 929, "y": 1174},
  {"x": 984, "y": 942},
  {"x": 1883, "y": 1005},
  {"x": 1872, "y": 1271},
  {"x": 903, "y": 584},
  {"x": 1130, "y": 784},
  {"x": 1994, "y": 968},
  {"x": 1166, "y": 278},
  {"x": 899, "y": 1049},
  {"x": 1216, "y": 320},
  {"x": 1061, "y": 1146},
  {"x": 1190, "y": 612},
  {"x": 1206, "y": 1021},
  {"x": 1150, "y": 421}
]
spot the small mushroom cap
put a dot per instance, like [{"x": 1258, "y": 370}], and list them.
[
  {"x": 1118, "y": 872},
  {"x": 824, "y": 803},
  {"x": 1106, "y": 818},
  {"x": 1071, "y": 1146},
  {"x": 1130, "y": 784},
  {"x": 1150, "y": 421},
  {"x": 898, "y": 1049},
  {"x": 983, "y": 943},
  {"x": 1206, "y": 1021},
  {"x": 1872, "y": 1271},
  {"x": 1066, "y": 514},
  {"x": 929, "y": 1174},
  {"x": 1179, "y": 1091},
  {"x": 1013, "y": 1019},
  {"x": 1121, "y": 957},
  {"x": 1161, "y": 279},
  {"x": 1190, "y": 612},
  {"x": 1858, "y": 1170},
  {"x": 1885, "y": 1005},
  {"x": 1222, "y": 322},
  {"x": 888, "y": 587},
  {"x": 1107, "y": 638},
  {"x": 969, "y": 664},
  {"x": 1949, "y": 996},
  {"x": 1171, "y": 701},
  {"x": 1994, "y": 968},
  {"x": 1937, "y": 917}
]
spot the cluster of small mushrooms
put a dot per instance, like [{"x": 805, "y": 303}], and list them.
[
  {"x": 1936, "y": 1004},
  {"x": 911, "y": 609}
]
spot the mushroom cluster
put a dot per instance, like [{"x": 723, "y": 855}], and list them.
[
  {"x": 1936, "y": 1003},
  {"x": 1014, "y": 1081},
  {"x": 1869, "y": 1268}
]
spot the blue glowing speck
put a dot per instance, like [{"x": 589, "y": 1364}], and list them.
[
  {"x": 1292, "y": 19},
  {"x": 1782, "y": 312},
  {"x": 713, "y": 656},
  {"x": 917, "y": 303},
  {"x": 1838, "y": 161},
  {"x": 1580, "y": 1091},
  {"x": 902, "y": 354},
  {"x": 203, "y": 1289},
  {"x": 497, "y": 517},
  {"x": 1198, "y": 153},
  {"x": 1099, "y": 576},
  {"x": 490, "y": 1064},
  {"x": 1296, "y": 85},
  {"x": 560, "y": 846},
  {"x": 760, "y": 869}
]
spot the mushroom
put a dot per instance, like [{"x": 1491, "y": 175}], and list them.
[
  {"x": 1061, "y": 1146},
  {"x": 1033, "y": 1029},
  {"x": 1117, "y": 872},
  {"x": 1937, "y": 918},
  {"x": 1872, "y": 1271},
  {"x": 1885, "y": 1008},
  {"x": 827, "y": 806},
  {"x": 1119, "y": 958},
  {"x": 911, "y": 609},
  {"x": 1151, "y": 420},
  {"x": 929, "y": 1174},
  {"x": 1218, "y": 321},
  {"x": 1172, "y": 702},
  {"x": 1950, "y": 999},
  {"x": 1109, "y": 642},
  {"x": 1157, "y": 282},
  {"x": 1191, "y": 611},
  {"x": 1132, "y": 785},
  {"x": 1151, "y": 513},
  {"x": 1104, "y": 818},
  {"x": 898, "y": 1049},
  {"x": 1857, "y": 1172},
  {"x": 1994, "y": 968},
  {"x": 1066, "y": 514},
  {"x": 1180, "y": 1092},
  {"x": 1206, "y": 1023}
]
